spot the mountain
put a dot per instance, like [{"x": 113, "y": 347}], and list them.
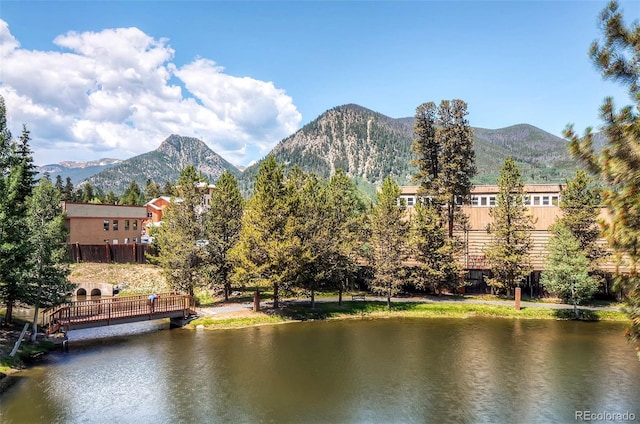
[
  {"x": 369, "y": 146},
  {"x": 77, "y": 171},
  {"x": 163, "y": 164}
]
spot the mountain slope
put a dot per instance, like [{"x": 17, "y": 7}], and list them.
[
  {"x": 369, "y": 146},
  {"x": 163, "y": 164},
  {"x": 77, "y": 171}
]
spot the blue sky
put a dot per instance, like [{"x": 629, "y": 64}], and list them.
[{"x": 113, "y": 79}]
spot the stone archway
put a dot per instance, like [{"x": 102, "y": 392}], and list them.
[
  {"x": 96, "y": 293},
  {"x": 81, "y": 292}
]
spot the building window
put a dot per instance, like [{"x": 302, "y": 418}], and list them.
[
  {"x": 149, "y": 214},
  {"x": 474, "y": 201},
  {"x": 483, "y": 201},
  {"x": 115, "y": 225},
  {"x": 492, "y": 200},
  {"x": 545, "y": 201},
  {"x": 555, "y": 200},
  {"x": 126, "y": 225},
  {"x": 105, "y": 225},
  {"x": 135, "y": 225},
  {"x": 536, "y": 200},
  {"x": 409, "y": 201},
  {"x": 526, "y": 200}
]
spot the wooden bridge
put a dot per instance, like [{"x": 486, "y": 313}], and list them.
[{"x": 118, "y": 310}]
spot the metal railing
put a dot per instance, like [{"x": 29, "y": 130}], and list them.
[{"x": 105, "y": 311}]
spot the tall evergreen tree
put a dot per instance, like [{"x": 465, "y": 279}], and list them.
[
  {"x": 222, "y": 227},
  {"x": 342, "y": 232},
  {"x": 617, "y": 56},
  {"x": 151, "y": 190},
  {"x": 262, "y": 255},
  {"x": 17, "y": 185},
  {"x": 508, "y": 252},
  {"x": 580, "y": 206},
  {"x": 47, "y": 267},
  {"x": 427, "y": 149},
  {"x": 388, "y": 241},
  {"x": 132, "y": 195},
  {"x": 10, "y": 290},
  {"x": 445, "y": 156},
  {"x": 566, "y": 271},
  {"x": 457, "y": 161},
  {"x": 437, "y": 269},
  {"x": 59, "y": 186},
  {"x": 67, "y": 192},
  {"x": 178, "y": 254}
]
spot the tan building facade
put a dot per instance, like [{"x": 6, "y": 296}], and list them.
[
  {"x": 90, "y": 223},
  {"x": 543, "y": 204}
]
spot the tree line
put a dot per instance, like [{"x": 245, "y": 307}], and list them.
[
  {"x": 134, "y": 195},
  {"x": 33, "y": 263}
]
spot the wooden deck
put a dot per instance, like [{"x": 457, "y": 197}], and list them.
[{"x": 116, "y": 310}]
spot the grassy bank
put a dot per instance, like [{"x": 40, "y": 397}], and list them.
[{"x": 293, "y": 312}]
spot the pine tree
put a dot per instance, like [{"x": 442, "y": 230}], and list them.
[
  {"x": 508, "y": 252},
  {"x": 132, "y": 195},
  {"x": 178, "y": 254},
  {"x": 457, "y": 158},
  {"x": 446, "y": 164},
  {"x": 222, "y": 227},
  {"x": 342, "y": 232},
  {"x": 59, "y": 185},
  {"x": 152, "y": 190},
  {"x": 437, "y": 269},
  {"x": 67, "y": 192},
  {"x": 617, "y": 56},
  {"x": 566, "y": 271},
  {"x": 17, "y": 186},
  {"x": 580, "y": 206},
  {"x": 262, "y": 255},
  {"x": 445, "y": 156},
  {"x": 427, "y": 149},
  {"x": 388, "y": 241},
  {"x": 47, "y": 262}
]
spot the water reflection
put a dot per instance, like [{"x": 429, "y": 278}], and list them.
[{"x": 350, "y": 371}]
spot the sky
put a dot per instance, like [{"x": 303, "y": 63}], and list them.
[{"x": 112, "y": 79}]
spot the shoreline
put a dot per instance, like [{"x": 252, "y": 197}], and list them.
[{"x": 242, "y": 315}]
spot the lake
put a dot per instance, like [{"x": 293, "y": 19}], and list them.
[{"x": 354, "y": 371}]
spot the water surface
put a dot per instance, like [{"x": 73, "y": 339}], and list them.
[{"x": 362, "y": 371}]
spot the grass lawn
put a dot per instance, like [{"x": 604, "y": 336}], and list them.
[{"x": 292, "y": 312}]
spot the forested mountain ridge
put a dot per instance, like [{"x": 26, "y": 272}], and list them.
[
  {"x": 163, "y": 164},
  {"x": 370, "y": 146},
  {"x": 366, "y": 144}
]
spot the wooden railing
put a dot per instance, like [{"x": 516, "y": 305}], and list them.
[{"x": 87, "y": 313}]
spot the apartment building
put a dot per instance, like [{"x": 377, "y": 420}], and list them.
[{"x": 90, "y": 223}]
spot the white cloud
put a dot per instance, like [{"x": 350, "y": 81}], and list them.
[{"x": 109, "y": 93}]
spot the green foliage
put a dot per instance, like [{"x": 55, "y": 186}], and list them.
[
  {"x": 617, "y": 56},
  {"x": 262, "y": 255},
  {"x": 16, "y": 182},
  {"x": 46, "y": 278},
  {"x": 151, "y": 190},
  {"x": 580, "y": 206},
  {"x": 389, "y": 232},
  {"x": 222, "y": 228},
  {"x": 437, "y": 269},
  {"x": 567, "y": 269},
  {"x": 132, "y": 195},
  {"x": 178, "y": 254},
  {"x": 508, "y": 252}
]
